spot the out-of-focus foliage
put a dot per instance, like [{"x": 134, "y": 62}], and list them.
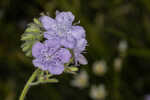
[{"x": 106, "y": 22}]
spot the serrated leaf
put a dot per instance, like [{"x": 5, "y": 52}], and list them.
[
  {"x": 28, "y": 53},
  {"x": 27, "y": 37},
  {"x": 33, "y": 28},
  {"x": 27, "y": 47},
  {"x": 27, "y": 43},
  {"x": 37, "y": 21},
  {"x": 32, "y": 34}
]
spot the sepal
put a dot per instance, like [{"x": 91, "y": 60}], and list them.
[{"x": 71, "y": 69}]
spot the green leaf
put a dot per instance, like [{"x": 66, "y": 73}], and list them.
[
  {"x": 71, "y": 69},
  {"x": 27, "y": 37},
  {"x": 27, "y": 47},
  {"x": 33, "y": 28},
  {"x": 32, "y": 34},
  {"x": 74, "y": 69},
  {"x": 29, "y": 53},
  {"x": 37, "y": 21},
  {"x": 53, "y": 80}
]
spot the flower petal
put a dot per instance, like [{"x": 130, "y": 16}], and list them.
[
  {"x": 68, "y": 42},
  {"x": 78, "y": 32},
  {"x": 81, "y": 44},
  {"x": 66, "y": 18},
  {"x": 57, "y": 12},
  {"x": 56, "y": 69},
  {"x": 65, "y": 55},
  {"x": 81, "y": 59},
  {"x": 37, "y": 63},
  {"x": 36, "y": 49},
  {"x": 48, "y": 22},
  {"x": 50, "y": 34},
  {"x": 62, "y": 56},
  {"x": 52, "y": 43}
]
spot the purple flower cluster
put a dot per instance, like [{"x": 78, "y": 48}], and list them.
[{"x": 61, "y": 35}]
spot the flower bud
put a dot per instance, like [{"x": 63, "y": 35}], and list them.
[
  {"x": 118, "y": 64},
  {"x": 80, "y": 80},
  {"x": 98, "y": 92},
  {"x": 99, "y": 68},
  {"x": 122, "y": 47}
]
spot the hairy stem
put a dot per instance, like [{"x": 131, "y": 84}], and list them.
[{"x": 27, "y": 86}]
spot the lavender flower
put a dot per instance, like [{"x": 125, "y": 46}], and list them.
[
  {"x": 50, "y": 56},
  {"x": 62, "y": 45},
  {"x": 69, "y": 36},
  {"x": 80, "y": 47},
  {"x": 59, "y": 28},
  {"x": 147, "y": 97}
]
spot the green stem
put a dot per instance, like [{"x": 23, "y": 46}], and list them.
[
  {"x": 116, "y": 86},
  {"x": 27, "y": 86},
  {"x": 44, "y": 81}
]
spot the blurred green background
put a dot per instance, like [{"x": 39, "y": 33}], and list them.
[{"x": 106, "y": 22}]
